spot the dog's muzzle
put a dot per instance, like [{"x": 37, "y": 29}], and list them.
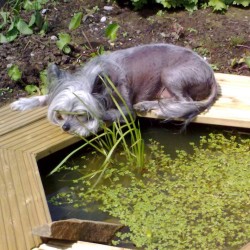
[{"x": 66, "y": 126}]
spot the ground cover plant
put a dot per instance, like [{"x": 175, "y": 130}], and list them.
[
  {"x": 191, "y": 5},
  {"x": 13, "y": 25}
]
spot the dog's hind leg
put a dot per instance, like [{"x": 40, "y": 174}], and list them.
[{"x": 29, "y": 103}]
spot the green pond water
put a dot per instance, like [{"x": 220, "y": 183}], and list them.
[{"x": 166, "y": 134}]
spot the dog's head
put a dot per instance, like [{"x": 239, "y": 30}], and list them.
[{"x": 72, "y": 106}]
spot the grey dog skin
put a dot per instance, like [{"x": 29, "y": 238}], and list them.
[{"x": 172, "y": 80}]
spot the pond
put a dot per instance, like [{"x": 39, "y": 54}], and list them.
[{"x": 168, "y": 135}]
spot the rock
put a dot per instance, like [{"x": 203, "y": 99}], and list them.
[
  {"x": 108, "y": 8},
  {"x": 53, "y": 38},
  {"x": 75, "y": 230},
  {"x": 44, "y": 11},
  {"x": 103, "y": 19}
]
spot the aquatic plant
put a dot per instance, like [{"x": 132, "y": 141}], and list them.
[
  {"x": 125, "y": 136},
  {"x": 193, "y": 201}
]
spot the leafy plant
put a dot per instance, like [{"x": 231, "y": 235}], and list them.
[
  {"x": 44, "y": 82},
  {"x": 5, "y": 90},
  {"x": 31, "y": 89},
  {"x": 38, "y": 21},
  {"x": 34, "y": 5},
  {"x": 191, "y": 5},
  {"x": 111, "y": 31},
  {"x": 63, "y": 42},
  {"x": 237, "y": 40},
  {"x": 75, "y": 21},
  {"x": 15, "y": 73},
  {"x": 245, "y": 60},
  {"x": 13, "y": 25}
]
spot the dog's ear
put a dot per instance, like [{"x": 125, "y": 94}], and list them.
[
  {"x": 100, "y": 84},
  {"x": 53, "y": 72}
]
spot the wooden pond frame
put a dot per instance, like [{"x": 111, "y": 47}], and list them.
[{"x": 26, "y": 137}]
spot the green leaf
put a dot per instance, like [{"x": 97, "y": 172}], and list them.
[
  {"x": 12, "y": 25},
  {"x": 44, "y": 28},
  {"x": 3, "y": 39},
  {"x": 14, "y": 73},
  {"x": 76, "y": 21},
  {"x": 23, "y": 27},
  {"x": 217, "y": 5},
  {"x": 43, "y": 90},
  {"x": 28, "y": 5},
  {"x": 64, "y": 39},
  {"x": 111, "y": 31},
  {"x": 12, "y": 34},
  {"x": 33, "y": 5},
  {"x": 43, "y": 77},
  {"x": 31, "y": 89},
  {"x": 247, "y": 61},
  {"x": 66, "y": 49},
  {"x": 32, "y": 20},
  {"x": 39, "y": 20},
  {"x": 245, "y": 3},
  {"x": 5, "y": 16}
]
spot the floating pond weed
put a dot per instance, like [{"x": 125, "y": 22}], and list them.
[{"x": 196, "y": 200}]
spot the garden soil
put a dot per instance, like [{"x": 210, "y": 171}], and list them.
[{"x": 222, "y": 38}]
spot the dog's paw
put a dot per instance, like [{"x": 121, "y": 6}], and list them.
[
  {"x": 23, "y": 104},
  {"x": 142, "y": 106}
]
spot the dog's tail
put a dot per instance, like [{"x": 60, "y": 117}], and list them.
[{"x": 188, "y": 110}]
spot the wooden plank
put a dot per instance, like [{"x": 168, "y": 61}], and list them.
[
  {"x": 21, "y": 200},
  {"x": 33, "y": 194},
  {"x": 24, "y": 134},
  {"x": 80, "y": 245},
  {"x": 13, "y": 223},
  {"x": 39, "y": 198},
  {"x": 236, "y": 80},
  {"x": 60, "y": 144},
  {"x": 8, "y": 239},
  {"x": 12, "y": 120}
]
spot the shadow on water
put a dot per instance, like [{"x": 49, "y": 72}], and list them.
[{"x": 166, "y": 134}]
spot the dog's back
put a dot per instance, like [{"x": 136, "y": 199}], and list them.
[{"x": 154, "y": 71}]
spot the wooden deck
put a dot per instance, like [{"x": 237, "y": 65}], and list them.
[{"x": 27, "y": 136}]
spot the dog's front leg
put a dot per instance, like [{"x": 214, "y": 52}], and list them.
[
  {"x": 112, "y": 115},
  {"x": 146, "y": 106},
  {"x": 29, "y": 103}
]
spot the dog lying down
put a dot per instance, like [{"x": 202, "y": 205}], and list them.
[{"x": 173, "y": 81}]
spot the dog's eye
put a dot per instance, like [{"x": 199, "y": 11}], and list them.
[
  {"x": 59, "y": 116},
  {"x": 82, "y": 118}
]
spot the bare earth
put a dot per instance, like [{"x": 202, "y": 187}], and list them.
[{"x": 220, "y": 38}]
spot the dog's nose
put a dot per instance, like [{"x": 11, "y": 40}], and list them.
[{"x": 66, "y": 127}]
